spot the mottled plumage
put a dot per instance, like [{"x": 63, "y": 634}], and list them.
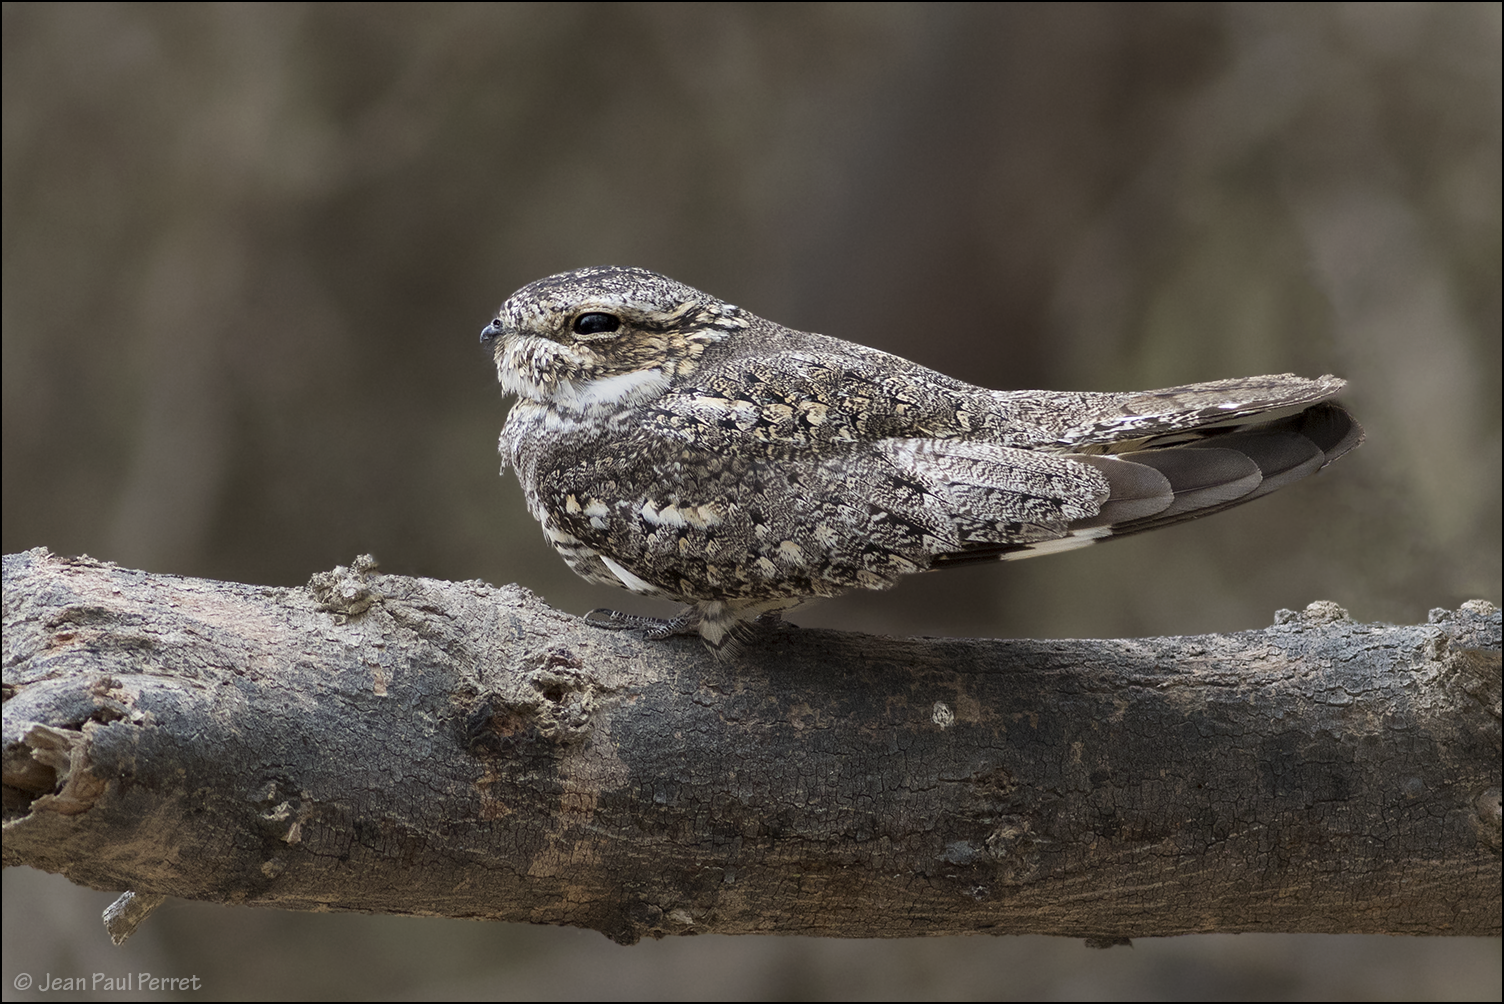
[{"x": 682, "y": 447}]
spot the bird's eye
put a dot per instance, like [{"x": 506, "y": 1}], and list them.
[{"x": 596, "y": 324}]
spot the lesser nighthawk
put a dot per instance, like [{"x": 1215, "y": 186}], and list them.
[{"x": 682, "y": 447}]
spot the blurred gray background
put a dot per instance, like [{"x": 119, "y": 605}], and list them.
[{"x": 248, "y": 250}]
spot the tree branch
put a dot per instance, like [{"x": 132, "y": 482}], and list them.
[{"x": 394, "y": 745}]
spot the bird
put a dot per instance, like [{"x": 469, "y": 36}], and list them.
[{"x": 681, "y": 447}]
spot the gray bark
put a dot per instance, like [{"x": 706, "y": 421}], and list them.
[{"x": 394, "y": 745}]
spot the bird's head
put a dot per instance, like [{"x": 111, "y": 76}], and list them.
[{"x": 604, "y": 337}]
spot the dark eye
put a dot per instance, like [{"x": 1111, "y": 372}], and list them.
[{"x": 596, "y": 324}]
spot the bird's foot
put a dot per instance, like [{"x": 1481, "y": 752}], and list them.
[{"x": 655, "y": 628}]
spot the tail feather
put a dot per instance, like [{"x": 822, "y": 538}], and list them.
[{"x": 1158, "y": 485}]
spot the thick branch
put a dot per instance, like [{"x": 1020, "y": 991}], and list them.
[{"x": 395, "y": 745}]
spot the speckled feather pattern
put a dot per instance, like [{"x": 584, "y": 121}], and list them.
[{"x": 682, "y": 447}]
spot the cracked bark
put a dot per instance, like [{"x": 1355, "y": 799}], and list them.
[{"x": 394, "y": 745}]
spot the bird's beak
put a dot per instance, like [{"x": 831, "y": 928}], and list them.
[{"x": 490, "y": 333}]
